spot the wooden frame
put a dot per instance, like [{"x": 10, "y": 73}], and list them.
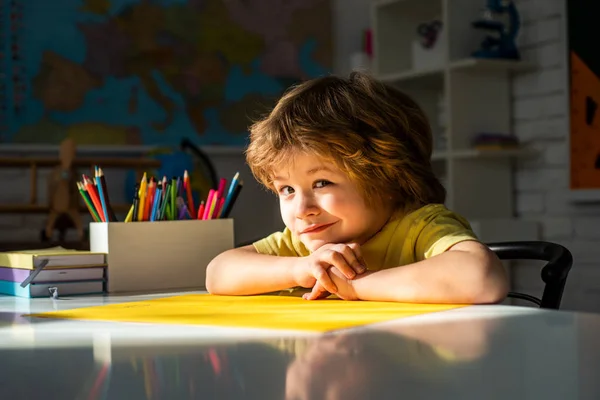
[{"x": 35, "y": 163}]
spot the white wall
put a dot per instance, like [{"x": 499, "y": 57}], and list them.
[{"x": 351, "y": 18}]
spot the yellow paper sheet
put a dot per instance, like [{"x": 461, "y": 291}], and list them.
[{"x": 268, "y": 312}]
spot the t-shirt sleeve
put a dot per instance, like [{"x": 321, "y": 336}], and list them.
[
  {"x": 282, "y": 244},
  {"x": 440, "y": 231}
]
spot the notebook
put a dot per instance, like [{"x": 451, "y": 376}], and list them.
[
  {"x": 56, "y": 257},
  {"x": 52, "y": 275},
  {"x": 43, "y": 289},
  {"x": 267, "y": 312}
]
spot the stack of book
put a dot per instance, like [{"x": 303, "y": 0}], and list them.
[{"x": 53, "y": 272}]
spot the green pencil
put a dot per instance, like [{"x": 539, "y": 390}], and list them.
[
  {"x": 88, "y": 202},
  {"x": 173, "y": 199},
  {"x": 165, "y": 202}
]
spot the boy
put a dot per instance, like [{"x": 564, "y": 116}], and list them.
[{"x": 363, "y": 210}]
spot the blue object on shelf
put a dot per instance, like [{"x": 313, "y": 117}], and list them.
[{"x": 503, "y": 44}]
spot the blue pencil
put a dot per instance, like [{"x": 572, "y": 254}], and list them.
[
  {"x": 234, "y": 182},
  {"x": 155, "y": 204},
  {"x": 101, "y": 194}
]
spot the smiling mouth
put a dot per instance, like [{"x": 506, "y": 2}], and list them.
[{"x": 316, "y": 228}]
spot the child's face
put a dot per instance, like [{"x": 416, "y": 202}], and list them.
[{"x": 321, "y": 205}]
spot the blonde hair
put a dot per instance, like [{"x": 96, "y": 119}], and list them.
[{"x": 378, "y": 135}]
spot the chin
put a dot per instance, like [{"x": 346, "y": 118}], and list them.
[{"x": 315, "y": 244}]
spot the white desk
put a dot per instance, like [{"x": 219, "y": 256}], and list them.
[{"x": 479, "y": 352}]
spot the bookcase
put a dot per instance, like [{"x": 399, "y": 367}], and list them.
[{"x": 462, "y": 96}]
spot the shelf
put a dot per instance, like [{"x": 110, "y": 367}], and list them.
[
  {"x": 461, "y": 96},
  {"x": 383, "y": 3},
  {"x": 434, "y": 77},
  {"x": 476, "y": 153},
  {"x": 429, "y": 78},
  {"x": 16, "y": 246},
  {"x": 483, "y": 64},
  {"x": 105, "y": 162},
  {"x": 25, "y": 208},
  {"x": 439, "y": 155},
  {"x": 503, "y": 153},
  {"x": 113, "y": 150}
]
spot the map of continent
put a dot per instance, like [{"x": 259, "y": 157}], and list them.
[{"x": 152, "y": 72}]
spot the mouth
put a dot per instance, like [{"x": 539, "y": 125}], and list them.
[{"x": 316, "y": 228}]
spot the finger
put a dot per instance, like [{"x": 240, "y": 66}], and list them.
[
  {"x": 351, "y": 260},
  {"x": 358, "y": 254},
  {"x": 317, "y": 293},
  {"x": 324, "y": 279},
  {"x": 337, "y": 258}
]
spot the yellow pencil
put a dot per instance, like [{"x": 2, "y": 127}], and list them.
[
  {"x": 142, "y": 194},
  {"x": 129, "y": 216},
  {"x": 213, "y": 205}
]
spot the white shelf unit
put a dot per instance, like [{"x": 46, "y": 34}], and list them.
[{"x": 475, "y": 95}]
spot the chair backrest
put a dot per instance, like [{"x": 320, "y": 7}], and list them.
[{"x": 554, "y": 273}]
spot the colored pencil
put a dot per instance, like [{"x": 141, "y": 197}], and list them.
[
  {"x": 187, "y": 185},
  {"x": 173, "y": 204},
  {"x": 163, "y": 209},
  {"x": 88, "y": 202},
  {"x": 209, "y": 200},
  {"x": 232, "y": 187},
  {"x": 221, "y": 188},
  {"x": 136, "y": 203},
  {"x": 91, "y": 189},
  {"x": 142, "y": 198},
  {"x": 234, "y": 197},
  {"x": 155, "y": 203},
  {"x": 111, "y": 213},
  {"x": 129, "y": 216},
  {"x": 220, "y": 207},
  {"x": 200, "y": 210},
  {"x": 213, "y": 206},
  {"x": 101, "y": 195},
  {"x": 149, "y": 199}
]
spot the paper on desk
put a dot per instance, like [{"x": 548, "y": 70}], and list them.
[{"x": 268, "y": 312}]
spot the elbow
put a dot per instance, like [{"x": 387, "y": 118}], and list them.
[
  {"x": 492, "y": 284},
  {"x": 212, "y": 278}
]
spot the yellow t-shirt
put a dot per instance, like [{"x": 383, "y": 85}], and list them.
[{"x": 421, "y": 234}]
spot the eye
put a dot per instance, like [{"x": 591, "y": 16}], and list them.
[
  {"x": 321, "y": 184},
  {"x": 286, "y": 190}
]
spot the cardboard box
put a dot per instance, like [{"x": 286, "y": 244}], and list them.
[{"x": 162, "y": 255}]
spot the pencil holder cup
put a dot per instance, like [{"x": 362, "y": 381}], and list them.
[{"x": 162, "y": 255}]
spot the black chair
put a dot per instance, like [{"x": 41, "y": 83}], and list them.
[{"x": 554, "y": 273}]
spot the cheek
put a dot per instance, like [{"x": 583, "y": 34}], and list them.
[
  {"x": 342, "y": 203},
  {"x": 287, "y": 213}
]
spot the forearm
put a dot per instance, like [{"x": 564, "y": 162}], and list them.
[
  {"x": 243, "y": 271},
  {"x": 452, "y": 277}
]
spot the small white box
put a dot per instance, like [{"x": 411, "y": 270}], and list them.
[
  {"x": 161, "y": 255},
  {"x": 432, "y": 58}
]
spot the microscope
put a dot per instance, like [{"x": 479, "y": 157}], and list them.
[{"x": 501, "y": 18}]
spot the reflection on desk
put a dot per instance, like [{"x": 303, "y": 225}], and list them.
[{"x": 480, "y": 352}]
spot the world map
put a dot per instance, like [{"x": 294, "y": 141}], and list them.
[{"x": 125, "y": 72}]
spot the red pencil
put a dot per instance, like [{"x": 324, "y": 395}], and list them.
[
  {"x": 200, "y": 210},
  {"x": 149, "y": 199},
  {"x": 188, "y": 189},
  {"x": 93, "y": 192}
]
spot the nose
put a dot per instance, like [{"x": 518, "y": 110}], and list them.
[{"x": 306, "y": 206}]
